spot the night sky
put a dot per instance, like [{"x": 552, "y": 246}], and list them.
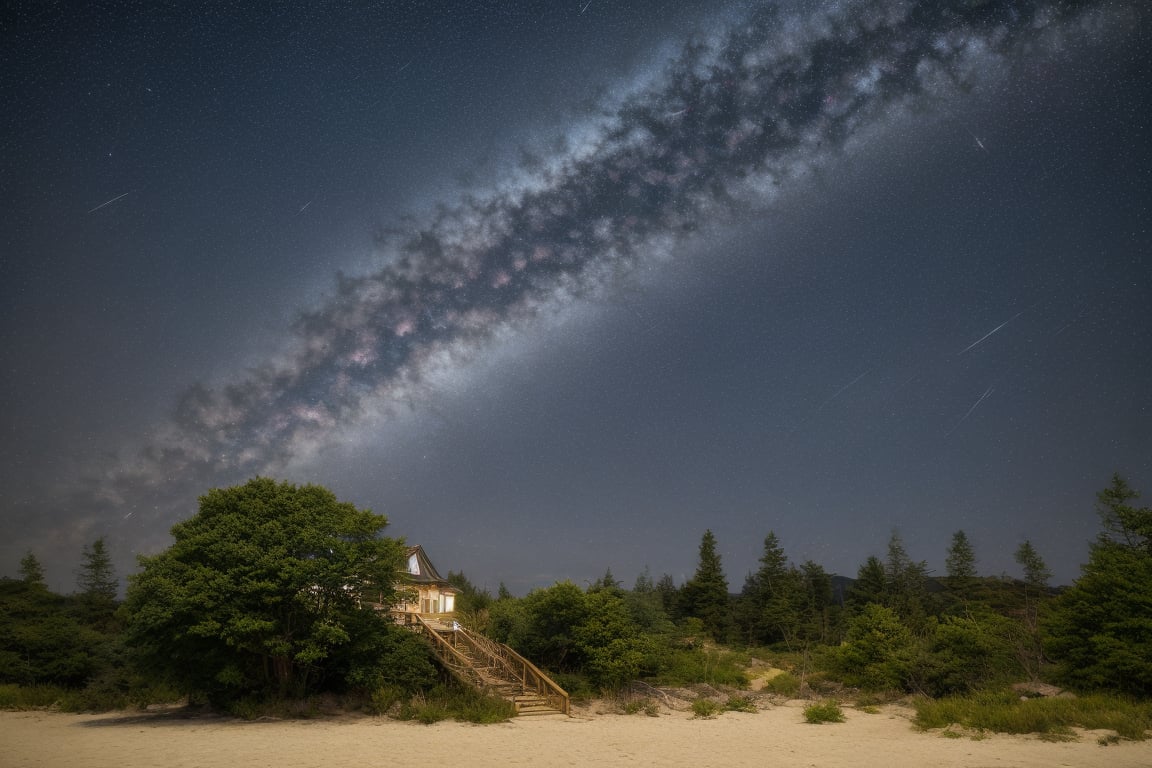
[{"x": 556, "y": 286}]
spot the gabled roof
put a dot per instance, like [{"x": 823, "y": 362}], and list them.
[{"x": 426, "y": 573}]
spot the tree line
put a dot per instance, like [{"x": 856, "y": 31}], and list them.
[
  {"x": 271, "y": 590},
  {"x": 894, "y": 627}
]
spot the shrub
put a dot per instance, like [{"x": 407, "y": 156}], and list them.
[
  {"x": 30, "y": 696},
  {"x": 877, "y": 651},
  {"x": 705, "y": 708},
  {"x": 784, "y": 684},
  {"x": 740, "y": 704},
  {"x": 826, "y": 712},
  {"x": 685, "y": 666},
  {"x": 1004, "y": 712}
]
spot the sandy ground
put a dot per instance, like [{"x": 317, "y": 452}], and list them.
[{"x": 772, "y": 737}]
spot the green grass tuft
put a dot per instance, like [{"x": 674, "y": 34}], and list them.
[
  {"x": 705, "y": 709},
  {"x": 825, "y": 712},
  {"x": 740, "y": 704},
  {"x": 784, "y": 684},
  {"x": 1004, "y": 712}
]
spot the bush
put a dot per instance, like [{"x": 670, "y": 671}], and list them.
[
  {"x": 826, "y": 712},
  {"x": 685, "y": 666},
  {"x": 705, "y": 708},
  {"x": 877, "y": 652},
  {"x": 20, "y": 697},
  {"x": 740, "y": 704},
  {"x": 784, "y": 684}
]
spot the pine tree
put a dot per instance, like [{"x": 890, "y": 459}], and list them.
[
  {"x": 705, "y": 595},
  {"x": 669, "y": 595},
  {"x": 770, "y": 600},
  {"x": 97, "y": 578},
  {"x": 1036, "y": 573},
  {"x": 644, "y": 584},
  {"x": 1123, "y": 523},
  {"x": 961, "y": 560},
  {"x": 31, "y": 572},
  {"x": 905, "y": 581},
  {"x": 871, "y": 586},
  {"x": 1100, "y": 630}
]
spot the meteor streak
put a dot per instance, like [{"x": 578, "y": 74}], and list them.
[
  {"x": 975, "y": 405},
  {"x": 110, "y": 201},
  {"x": 994, "y": 330}
]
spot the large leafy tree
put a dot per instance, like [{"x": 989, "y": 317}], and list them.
[
  {"x": 261, "y": 593},
  {"x": 1100, "y": 630}
]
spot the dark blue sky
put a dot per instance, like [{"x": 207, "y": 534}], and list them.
[{"x": 558, "y": 286}]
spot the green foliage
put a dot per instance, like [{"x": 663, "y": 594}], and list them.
[
  {"x": 455, "y": 702},
  {"x": 1100, "y": 630},
  {"x": 877, "y": 652},
  {"x": 906, "y": 584},
  {"x": 42, "y": 639},
  {"x": 97, "y": 584},
  {"x": 767, "y": 608},
  {"x": 1004, "y": 712},
  {"x": 783, "y": 684},
  {"x": 705, "y": 709},
  {"x": 564, "y": 628},
  {"x": 782, "y": 603},
  {"x": 1124, "y": 524},
  {"x": 871, "y": 585},
  {"x": 825, "y": 712},
  {"x": 470, "y": 599},
  {"x": 705, "y": 595},
  {"x": 1036, "y": 573},
  {"x": 31, "y": 571},
  {"x": 684, "y": 666},
  {"x": 21, "y": 697},
  {"x": 740, "y": 704},
  {"x": 961, "y": 561},
  {"x": 964, "y": 653},
  {"x": 260, "y": 594},
  {"x": 669, "y": 595}
]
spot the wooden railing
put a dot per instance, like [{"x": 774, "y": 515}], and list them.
[
  {"x": 501, "y": 660},
  {"x": 530, "y": 677},
  {"x": 453, "y": 660}
]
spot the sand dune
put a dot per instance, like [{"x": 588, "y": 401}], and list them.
[{"x": 772, "y": 737}]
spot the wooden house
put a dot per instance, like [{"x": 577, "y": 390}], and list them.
[{"x": 422, "y": 589}]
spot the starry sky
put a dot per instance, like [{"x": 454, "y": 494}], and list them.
[{"x": 556, "y": 286}]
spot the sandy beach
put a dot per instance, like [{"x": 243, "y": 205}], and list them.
[{"x": 772, "y": 737}]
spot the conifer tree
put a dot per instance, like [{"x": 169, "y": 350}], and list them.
[
  {"x": 961, "y": 560},
  {"x": 705, "y": 595},
  {"x": 1036, "y": 573},
  {"x": 871, "y": 586},
  {"x": 31, "y": 572},
  {"x": 1100, "y": 630},
  {"x": 97, "y": 578},
  {"x": 905, "y": 582}
]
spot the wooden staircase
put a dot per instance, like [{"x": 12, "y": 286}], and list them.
[{"x": 492, "y": 667}]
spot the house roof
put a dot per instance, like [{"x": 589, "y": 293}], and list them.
[{"x": 425, "y": 572}]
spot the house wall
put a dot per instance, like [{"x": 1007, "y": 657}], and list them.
[{"x": 428, "y": 599}]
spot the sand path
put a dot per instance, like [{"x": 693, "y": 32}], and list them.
[{"x": 776, "y": 737}]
